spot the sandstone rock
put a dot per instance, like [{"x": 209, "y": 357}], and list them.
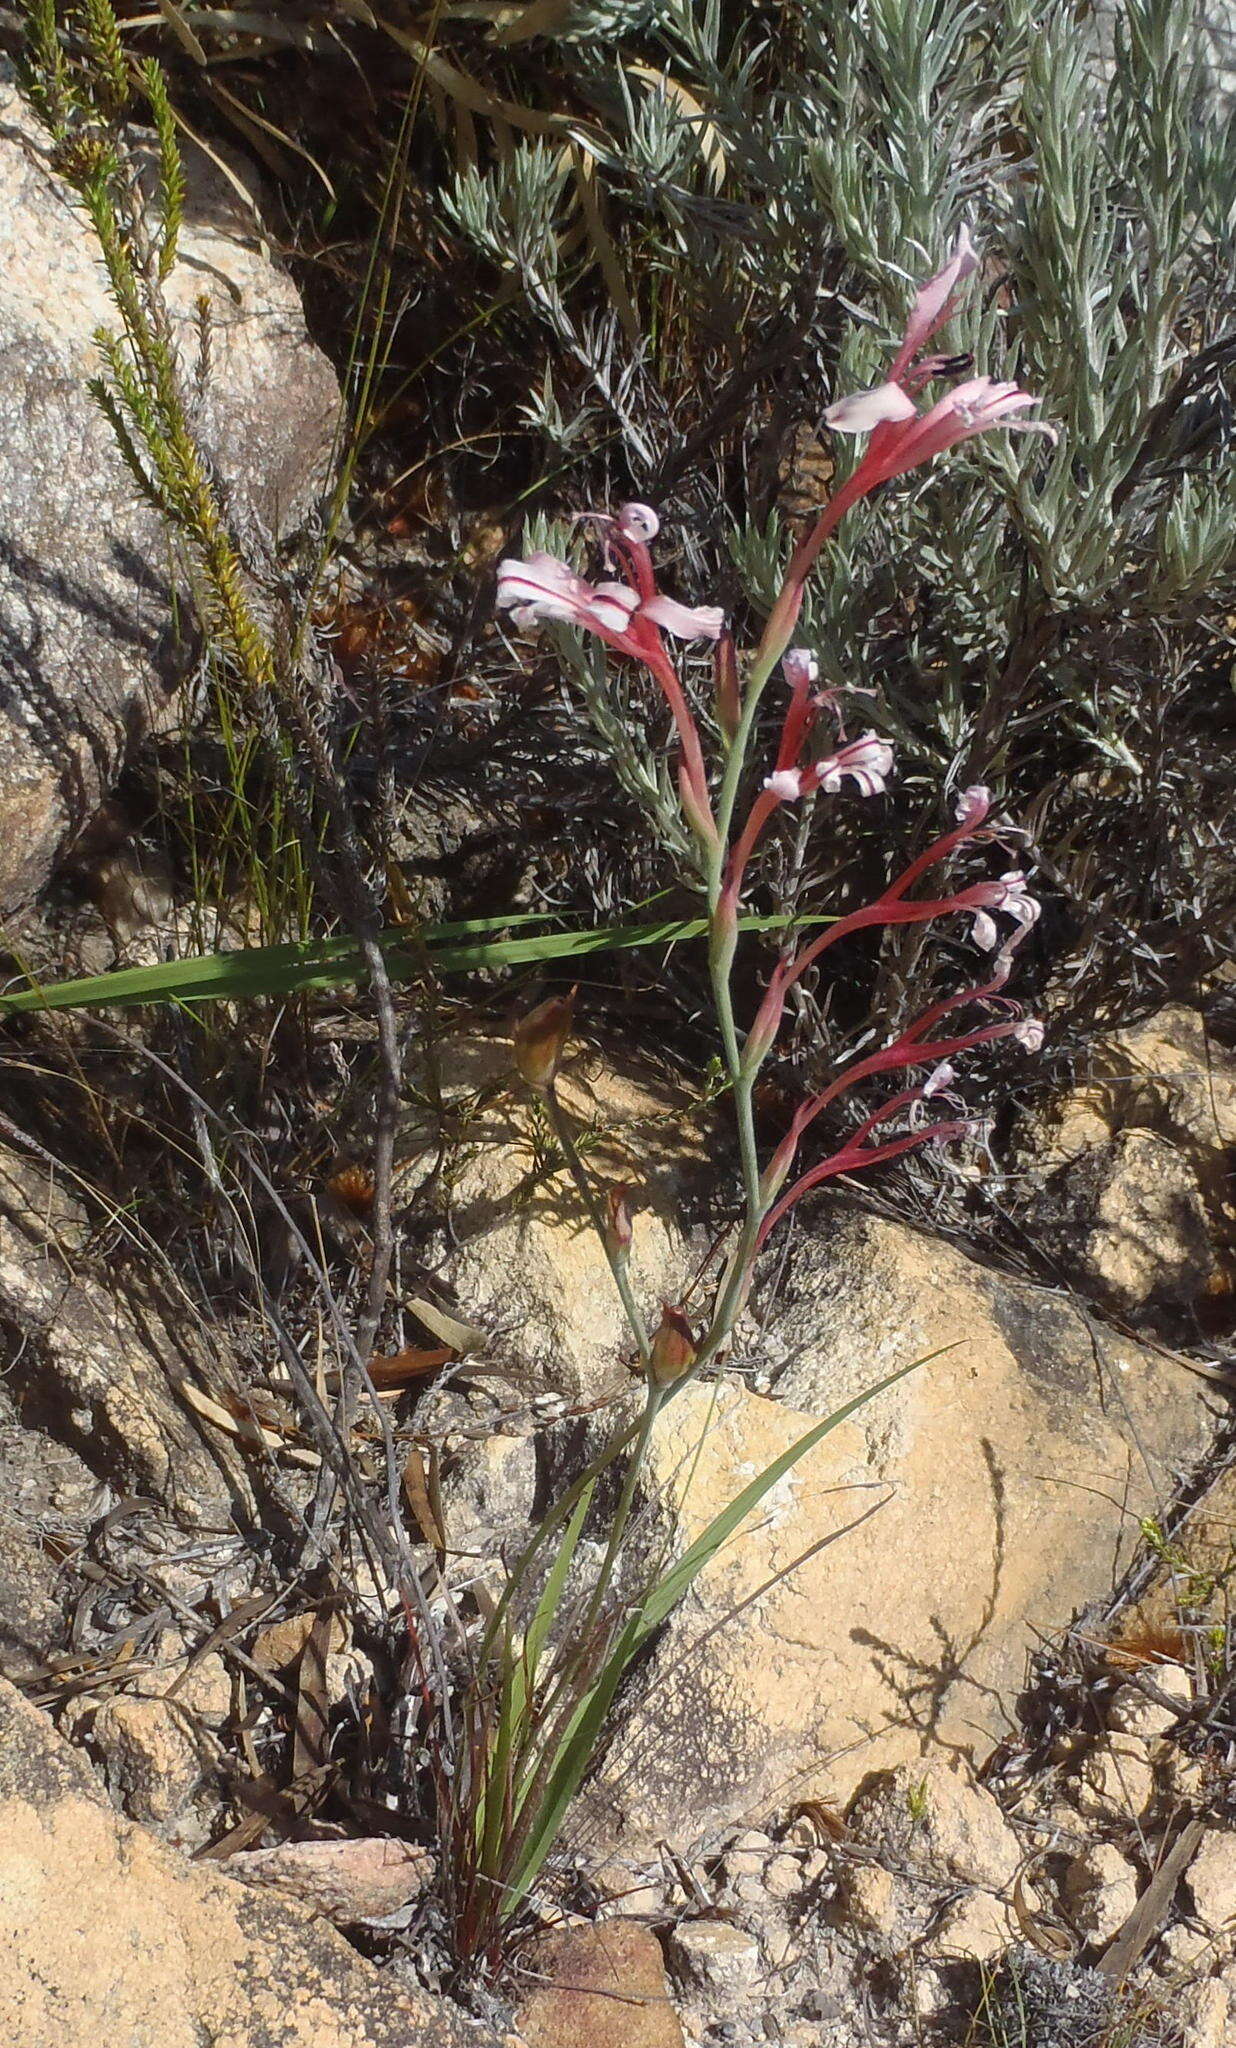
[
  {"x": 529, "y": 1267},
  {"x": 151, "y": 1761},
  {"x": 1130, "y": 1221},
  {"x": 85, "y": 611},
  {"x": 1132, "y": 1711},
  {"x": 605, "y": 1988},
  {"x": 1168, "y": 1075},
  {"x": 746, "y": 1855},
  {"x": 1116, "y": 1780},
  {"x": 783, "y": 1877},
  {"x": 1207, "y": 2011},
  {"x": 489, "y": 1492},
  {"x": 1181, "y": 1948},
  {"x": 977, "y": 1926},
  {"x": 1001, "y": 1482},
  {"x": 1100, "y": 1890},
  {"x": 107, "y": 1935},
  {"x": 715, "y": 1965},
  {"x": 872, "y": 1899},
  {"x": 107, "y": 1368},
  {"x": 1211, "y": 1879},
  {"x": 47, "y": 1501},
  {"x": 349, "y": 1881},
  {"x": 281, "y": 1643},
  {"x": 933, "y": 1815}
]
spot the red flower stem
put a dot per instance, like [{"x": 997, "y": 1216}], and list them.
[{"x": 852, "y": 1160}]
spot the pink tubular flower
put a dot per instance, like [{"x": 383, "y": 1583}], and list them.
[
  {"x": 867, "y": 761},
  {"x": 1010, "y": 895},
  {"x": 630, "y": 617},
  {"x": 901, "y": 436},
  {"x": 785, "y": 784},
  {"x": 545, "y": 588}
]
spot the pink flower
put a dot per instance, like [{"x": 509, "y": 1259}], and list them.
[
  {"x": 638, "y": 522},
  {"x": 1010, "y": 896},
  {"x": 902, "y": 437},
  {"x": 630, "y": 617},
  {"x": 785, "y": 784},
  {"x": 933, "y": 303},
  {"x": 800, "y": 668},
  {"x": 973, "y": 805},
  {"x": 545, "y": 588},
  {"x": 863, "y": 410},
  {"x": 867, "y": 761},
  {"x": 938, "y": 1080},
  {"x": 685, "y": 622}
]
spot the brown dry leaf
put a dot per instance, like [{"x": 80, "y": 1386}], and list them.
[
  {"x": 348, "y": 1881},
  {"x": 244, "y": 1428},
  {"x": 420, "y": 1491},
  {"x": 311, "y": 1741},
  {"x": 462, "y": 1337},
  {"x": 538, "y": 18},
  {"x": 397, "y": 1369},
  {"x": 181, "y": 30},
  {"x": 278, "y": 1646}
]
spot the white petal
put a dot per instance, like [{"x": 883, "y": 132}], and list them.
[
  {"x": 638, "y": 522},
  {"x": 862, "y": 410},
  {"x": 705, "y": 622}
]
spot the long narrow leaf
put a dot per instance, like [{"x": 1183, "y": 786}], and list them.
[
  {"x": 330, "y": 963},
  {"x": 583, "y": 1732}
]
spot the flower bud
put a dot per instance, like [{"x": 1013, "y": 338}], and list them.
[
  {"x": 673, "y": 1347},
  {"x": 540, "y": 1040},
  {"x": 618, "y": 1223}
]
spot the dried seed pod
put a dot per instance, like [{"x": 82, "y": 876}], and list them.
[
  {"x": 673, "y": 1347},
  {"x": 540, "y": 1040}
]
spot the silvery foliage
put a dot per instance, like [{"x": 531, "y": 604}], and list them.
[{"x": 770, "y": 179}]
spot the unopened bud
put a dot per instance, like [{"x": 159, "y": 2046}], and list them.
[
  {"x": 673, "y": 1347},
  {"x": 618, "y": 1223},
  {"x": 540, "y": 1040}
]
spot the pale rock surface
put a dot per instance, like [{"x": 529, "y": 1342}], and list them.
[
  {"x": 109, "y": 1366},
  {"x": 715, "y": 1965},
  {"x": 1130, "y": 1222},
  {"x": 597, "y": 1987},
  {"x": 1165, "y": 1074},
  {"x": 1211, "y": 1879},
  {"x": 1133, "y": 1711},
  {"x": 87, "y": 649},
  {"x": 529, "y": 1267},
  {"x": 151, "y": 1762},
  {"x": 1181, "y": 1948},
  {"x": 1001, "y": 1481},
  {"x": 783, "y": 1877},
  {"x": 872, "y": 1898},
  {"x": 108, "y": 1936},
  {"x": 46, "y": 1495},
  {"x": 1207, "y": 2014},
  {"x": 1100, "y": 1891},
  {"x": 1116, "y": 1780},
  {"x": 977, "y": 1926},
  {"x": 349, "y": 1881},
  {"x": 935, "y": 1817}
]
